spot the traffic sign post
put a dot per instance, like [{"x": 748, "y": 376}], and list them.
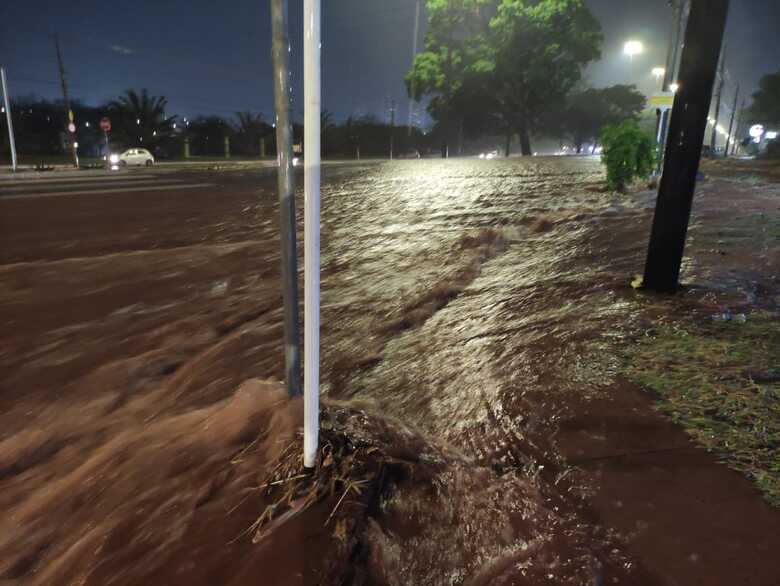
[
  {"x": 105, "y": 126},
  {"x": 662, "y": 102}
]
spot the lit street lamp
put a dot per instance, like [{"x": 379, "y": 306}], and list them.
[
  {"x": 659, "y": 72},
  {"x": 632, "y": 48},
  {"x": 673, "y": 87}
]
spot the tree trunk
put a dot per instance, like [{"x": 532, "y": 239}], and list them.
[
  {"x": 460, "y": 137},
  {"x": 578, "y": 146},
  {"x": 508, "y": 144},
  {"x": 525, "y": 142}
]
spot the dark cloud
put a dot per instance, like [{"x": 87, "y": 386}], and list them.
[{"x": 121, "y": 50}]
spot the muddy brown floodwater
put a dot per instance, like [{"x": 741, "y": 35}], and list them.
[{"x": 472, "y": 316}]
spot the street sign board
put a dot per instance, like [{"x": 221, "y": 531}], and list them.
[
  {"x": 664, "y": 100},
  {"x": 105, "y": 125},
  {"x": 71, "y": 128}
]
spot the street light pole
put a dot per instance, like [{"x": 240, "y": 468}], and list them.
[
  {"x": 392, "y": 128},
  {"x": 414, "y": 55},
  {"x": 721, "y": 85},
  {"x": 7, "y": 102},
  {"x": 670, "y": 74},
  {"x": 737, "y": 144},
  {"x": 731, "y": 124}
]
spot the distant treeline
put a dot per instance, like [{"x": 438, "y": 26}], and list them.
[{"x": 142, "y": 120}]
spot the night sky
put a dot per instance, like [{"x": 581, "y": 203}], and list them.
[{"x": 214, "y": 58}]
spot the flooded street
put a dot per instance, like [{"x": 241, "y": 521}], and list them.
[{"x": 482, "y": 306}]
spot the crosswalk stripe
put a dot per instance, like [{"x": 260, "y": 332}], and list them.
[
  {"x": 108, "y": 191},
  {"x": 42, "y": 188},
  {"x": 107, "y": 177}
]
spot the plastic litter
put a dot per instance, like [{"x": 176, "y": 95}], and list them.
[{"x": 727, "y": 316}]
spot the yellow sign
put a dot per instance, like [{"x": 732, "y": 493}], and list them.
[{"x": 663, "y": 101}]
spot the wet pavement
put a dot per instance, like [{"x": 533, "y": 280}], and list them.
[{"x": 482, "y": 303}]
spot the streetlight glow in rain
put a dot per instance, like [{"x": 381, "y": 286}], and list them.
[
  {"x": 414, "y": 292},
  {"x": 633, "y": 48}
]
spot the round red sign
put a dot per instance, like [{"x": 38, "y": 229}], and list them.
[{"x": 105, "y": 124}]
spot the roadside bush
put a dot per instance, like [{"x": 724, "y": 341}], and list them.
[
  {"x": 629, "y": 154},
  {"x": 773, "y": 149}
]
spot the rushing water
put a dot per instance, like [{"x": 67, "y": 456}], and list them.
[
  {"x": 474, "y": 300},
  {"x": 451, "y": 289},
  {"x": 470, "y": 302}
]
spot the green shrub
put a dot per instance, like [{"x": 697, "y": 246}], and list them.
[
  {"x": 629, "y": 154},
  {"x": 773, "y": 149}
]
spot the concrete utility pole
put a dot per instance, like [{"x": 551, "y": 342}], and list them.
[
  {"x": 70, "y": 118},
  {"x": 731, "y": 124},
  {"x": 719, "y": 97},
  {"x": 688, "y": 125},
  {"x": 282, "y": 97},
  {"x": 7, "y": 102}
]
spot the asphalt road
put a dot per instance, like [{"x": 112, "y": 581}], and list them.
[{"x": 76, "y": 214}]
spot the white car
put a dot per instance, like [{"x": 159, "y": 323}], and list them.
[{"x": 139, "y": 157}]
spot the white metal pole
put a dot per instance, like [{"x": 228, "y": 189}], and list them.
[
  {"x": 312, "y": 105},
  {"x": 7, "y": 102}
]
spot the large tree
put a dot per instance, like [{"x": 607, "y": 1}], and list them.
[
  {"x": 533, "y": 56},
  {"x": 587, "y": 112},
  {"x": 766, "y": 101}
]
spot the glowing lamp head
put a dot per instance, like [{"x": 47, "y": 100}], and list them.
[
  {"x": 633, "y": 48},
  {"x": 757, "y": 131}
]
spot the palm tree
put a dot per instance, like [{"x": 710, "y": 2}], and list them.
[
  {"x": 249, "y": 122},
  {"x": 326, "y": 123},
  {"x": 250, "y": 128},
  {"x": 140, "y": 118}
]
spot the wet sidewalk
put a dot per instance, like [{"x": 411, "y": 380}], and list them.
[{"x": 680, "y": 511}]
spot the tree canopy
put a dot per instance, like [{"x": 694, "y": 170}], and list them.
[
  {"x": 766, "y": 101},
  {"x": 139, "y": 118},
  {"x": 587, "y": 112}
]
